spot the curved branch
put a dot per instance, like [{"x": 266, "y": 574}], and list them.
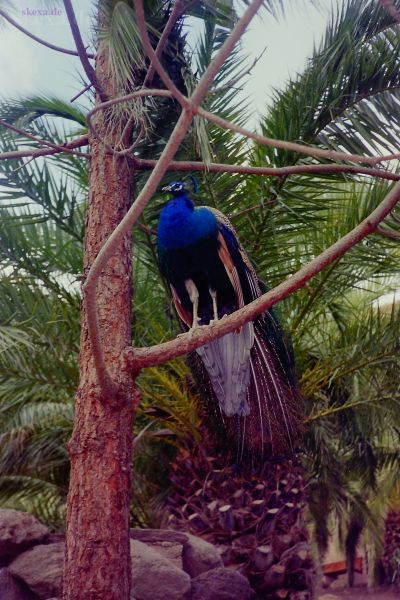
[
  {"x": 293, "y": 146},
  {"x": 393, "y": 235},
  {"x": 390, "y": 9},
  {"x": 187, "y": 166},
  {"x": 87, "y": 67},
  {"x": 85, "y": 89},
  {"x": 77, "y": 143},
  {"x": 30, "y": 136},
  {"x": 153, "y": 56},
  {"x": 37, "y": 39},
  {"x": 113, "y": 102},
  {"x": 178, "y": 9},
  {"x": 155, "y": 355}
]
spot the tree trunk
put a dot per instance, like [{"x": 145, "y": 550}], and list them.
[{"x": 97, "y": 560}]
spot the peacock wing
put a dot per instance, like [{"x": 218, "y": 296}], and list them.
[{"x": 227, "y": 359}]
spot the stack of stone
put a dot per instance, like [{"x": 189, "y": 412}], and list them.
[{"x": 165, "y": 564}]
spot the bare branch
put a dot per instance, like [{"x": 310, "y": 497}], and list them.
[
  {"x": 87, "y": 67},
  {"x": 229, "y": 84},
  {"x": 386, "y": 158},
  {"x": 391, "y": 9},
  {"x": 155, "y": 355},
  {"x": 30, "y": 136},
  {"x": 395, "y": 217},
  {"x": 154, "y": 60},
  {"x": 394, "y": 235},
  {"x": 292, "y": 146},
  {"x": 187, "y": 166},
  {"x": 335, "y": 409},
  {"x": 177, "y": 10},
  {"x": 177, "y": 136},
  {"x": 37, "y": 39},
  {"x": 77, "y": 143},
  {"x": 113, "y": 102},
  {"x": 85, "y": 89}
]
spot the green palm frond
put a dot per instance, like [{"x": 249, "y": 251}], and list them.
[{"x": 24, "y": 111}]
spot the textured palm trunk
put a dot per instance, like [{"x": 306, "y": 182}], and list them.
[
  {"x": 97, "y": 561},
  {"x": 255, "y": 514}
]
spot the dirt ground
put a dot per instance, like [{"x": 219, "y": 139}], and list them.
[{"x": 360, "y": 593}]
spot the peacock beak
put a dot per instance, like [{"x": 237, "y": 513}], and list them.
[{"x": 167, "y": 188}]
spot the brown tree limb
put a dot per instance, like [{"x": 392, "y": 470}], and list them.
[
  {"x": 37, "y": 39},
  {"x": 152, "y": 55},
  {"x": 232, "y": 82},
  {"x": 391, "y": 9},
  {"x": 155, "y": 355},
  {"x": 187, "y": 166},
  {"x": 30, "y": 136},
  {"x": 77, "y": 143},
  {"x": 394, "y": 235},
  {"x": 85, "y": 89},
  {"x": 177, "y": 10},
  {"x": 283, "y": 144},
  {"x": 87, "y": 67},
  {"x": 143, "y": 92},
  {"x": 292, "y": 146},
  {"x": 177, "y": 136}
]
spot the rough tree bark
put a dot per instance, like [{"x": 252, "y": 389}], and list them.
[{"x": 101, "y": 444}]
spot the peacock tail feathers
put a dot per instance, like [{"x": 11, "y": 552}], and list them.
[{"x": 247, "y": 377}]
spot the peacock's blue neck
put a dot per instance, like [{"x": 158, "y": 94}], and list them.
[{"x": 181, "y": 224}]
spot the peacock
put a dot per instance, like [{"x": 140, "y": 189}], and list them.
[{"x": 249, "y": 375}]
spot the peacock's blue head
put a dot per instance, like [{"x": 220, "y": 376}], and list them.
[
  {"x": 180, "y": 198},
  {"x": 176, "y": 188}
]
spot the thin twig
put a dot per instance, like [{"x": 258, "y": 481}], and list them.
[
  {"x": 155, "y": 355},
  {"x": 147, "y": 230},
  {"x": 333, "y": 410},
  {"x": 177, "y": 10},
  {"x": 187, "y": 166},
  {"x": 85, "y": 89},
  {"x": 30, "y": 136},
  {"x": 394, "y": 235},
  {"x": 139, "y": 138},
  {"x": 391, "y": 9},
  {"x": 395, "y": 217},
  {"x": 77, "y": 143},
  {"x": 177, "y": 136},
  {"x": 283, "y": 144},
  {"x": 292, "y": 146},
  {"x": 113, "y": 102},
  {"x": 151, "y": 54},
  {"x": 87, "y": 67},
  {"x": 386, "y": 158},
  {"x": 229, "y": 84},
  {"x": 37, "y": 39}
]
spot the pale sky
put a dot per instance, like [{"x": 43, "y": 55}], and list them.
[{"x": 27, "y": 68}]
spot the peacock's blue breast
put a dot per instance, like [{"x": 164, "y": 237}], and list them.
[{"x": 181, "y": 225}]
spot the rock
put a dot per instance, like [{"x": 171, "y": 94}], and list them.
[
  {"x": 41, "y": 569},
  {"x": 12, "y": 589},
  {"x": 199, "y": 556},
  {"x": 18, "y": 531},
  {"x": 221, "y": 584},
  {"x": 165, "y": 542},
  {"x": 158, "y": 535},
  {"x": 155, "y": 577}
]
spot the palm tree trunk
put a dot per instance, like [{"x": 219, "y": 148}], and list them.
[{"x": 97, "y": 560}]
